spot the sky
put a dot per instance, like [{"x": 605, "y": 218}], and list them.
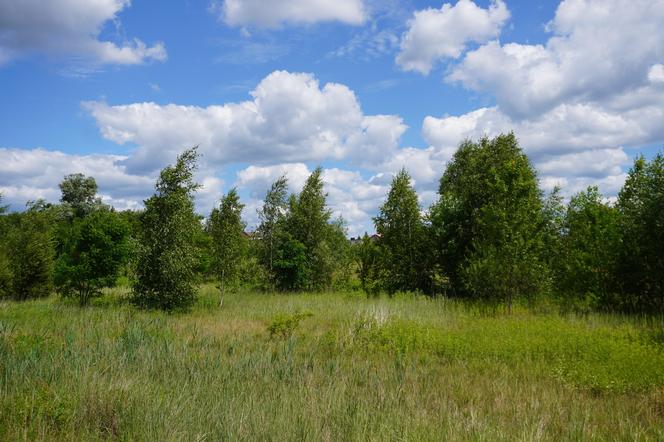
[{"x": 116, "y": 89}]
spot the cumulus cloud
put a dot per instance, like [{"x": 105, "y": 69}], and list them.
[
  {"x": 349, "y": 194},
  {"x": 572, "y": 145},
  {"x": 30, "y": 174},
  {"x": 436, "y": 34},
  {"x": 274, "y": 13},
  {"x": 69, "y": 28},
  {"x": 598, "y": 48},
  {"x": 576, "y": 102},
  {"x": 291, "y": 118}
]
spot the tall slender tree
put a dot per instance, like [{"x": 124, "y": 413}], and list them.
[
  {"x": 401, "y": 233},
  {"x": 271, "y": 216},
  {"x": 307, "y": 224},
  {"x": 228, "y": 239},
  {"x": 165, "y": 275}
]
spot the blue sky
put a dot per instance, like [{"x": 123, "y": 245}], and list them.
[{"x": 115, "y": 89}]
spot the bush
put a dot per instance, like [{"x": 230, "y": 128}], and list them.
[
  {"x": 96, "y": 248},
  {"x": 283, "y": 326},
  {"x": 31, "y": 264}
]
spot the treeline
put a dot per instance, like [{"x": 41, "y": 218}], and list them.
[{"x": 491, "y": 236}]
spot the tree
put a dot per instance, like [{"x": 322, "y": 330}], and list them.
[
  {"x": 79, "y": 192},
  {"x": 292, "y": 270},
  {"x": 307, "y": 224},
  {"x": 5, "y": 265},
  {"x": 95, "y": 250},
  {"x": 32, "y": 250},
  {"x": 401, "y": 237},
  {"x": 366, "y": 255},
  {"x": 587, "y": 261},
  {"x": 271, "y": 217},
  {"x": 641, "y": 260},
  {"x": 165, "y": 275},
  {"x": 489, "y": 223},
  {"x": 228, "y": 238}
]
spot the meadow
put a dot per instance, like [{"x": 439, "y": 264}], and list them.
[{"x": 326, "y": 366}]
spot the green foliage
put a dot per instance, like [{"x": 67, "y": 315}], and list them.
[
  {"x": 204, "y": 246},
  {"x": 97, "y": 247},
  {"x": 80, "y": 194},
  {"x": 165, "y": 275},
  {"x": 489, "y": 224},
  {"x": 30, "y": 240},
  {"x": 587, "y": 250},
  {"x": 284, "y": 325},
  {"x": 290, "y": 263},
  {"x": 641, "y": 259},
  {"x": 6, "y": 275},
  {"x": 5, "y": 265},
  {"x": 402, "y": 237},
  {"x": 310, "y": 252},
  {"x": 271, "y": 216},
  {"x": 228, "y": 238},
  {"x": 366, "y": 255}
]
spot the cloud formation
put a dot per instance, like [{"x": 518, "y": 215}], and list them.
[
  {"x": 274, "y": 13},
  {"x": 437, "y": 34},
  {"x": 291, "y": 118},
  {"x": 598, "y": 49},
  {"x": 69, "y": 28}
]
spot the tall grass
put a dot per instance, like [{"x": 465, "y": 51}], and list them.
[{"x": 345, "y": 368}]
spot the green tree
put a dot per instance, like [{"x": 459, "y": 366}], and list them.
[
  {"x": 641, "y": 260},
  {"x": 401, "y": 233},
  {"x": 229, "y": 241},
  {"x": 32, "y": 252},
  {"x": 165, "y": 276},
  {"x": 291, "y": 267},
  {"x": 366, "y": 255},
  {"x": 95, "y": 250},
  {"x": 5, "y": 265},
  {"x": 80, "y": 194},
  {"x": 489, "y": 223},
  {"x": 271, "y": 216},
  {"x": 307, "y": 223},
  {"x": 588, "y": 249}
]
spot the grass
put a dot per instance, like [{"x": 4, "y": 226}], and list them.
[{"x": 328, "y": 366}]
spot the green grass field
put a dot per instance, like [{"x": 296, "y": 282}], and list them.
[{"x": 405, "y": 368}]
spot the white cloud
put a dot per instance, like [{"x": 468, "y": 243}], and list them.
[
  {"x": 35, "y": 173},
  {"x": 273, "y": 13},
  {"x": 69, "y": 28},
  {"x": 598, "y": 48},
  {"x": 656, "y": 73},
  {"x": 436, "y": 34},
  {"x": 348, "y": 193},
  {"x": 290, "y": 118},
  {"x": 574, "y": 145}
]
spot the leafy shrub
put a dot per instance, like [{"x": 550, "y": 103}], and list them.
[
  {"x": 97, "y": 246},
  {"x": 284, "y": 325},
  {"x": 31, "y": 264}
]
